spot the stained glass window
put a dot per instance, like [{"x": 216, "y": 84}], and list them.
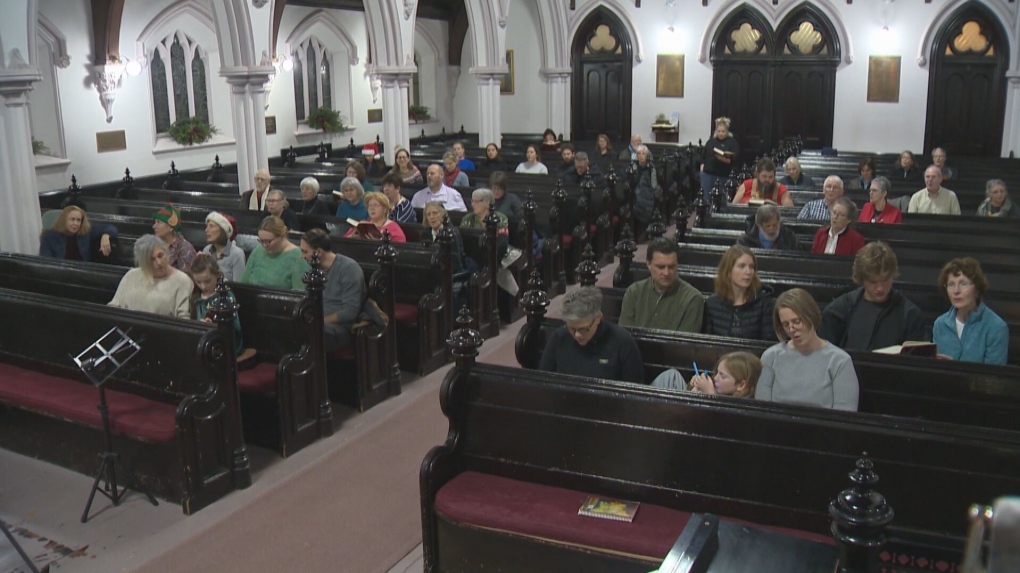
[
  {"x": 313, "y": 78},
  {"x": 160, "y": 103},
  {"x": 299, "y": 85},
  {"x": 180, "y": 90}
]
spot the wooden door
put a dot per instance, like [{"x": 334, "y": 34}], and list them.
[
  {"x": 967, "y": 87},
  {"x": 601, "y": 88},
  {"x": 804, "y": 99},
  {"x": 743, "y": 92}
]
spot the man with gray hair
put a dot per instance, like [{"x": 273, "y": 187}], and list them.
[
  {"x": 819, "y": 209},
  {"x": 255, "y": 199},
  {"x": 588, "y": 346},
  {"x": 769, "y": 232},
  {"x": 581, "y": 171}
]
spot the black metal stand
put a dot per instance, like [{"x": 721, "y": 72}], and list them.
[
  {"x": 21, "y": 552},
  {"x": 108, "y": 468}
]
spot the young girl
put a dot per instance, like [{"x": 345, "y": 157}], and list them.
[
  {"x": 206, "y": 273},
  {"x": 736, "y": 374}
]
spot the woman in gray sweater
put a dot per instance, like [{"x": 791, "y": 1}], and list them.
[{"x": 805, "y": 369}]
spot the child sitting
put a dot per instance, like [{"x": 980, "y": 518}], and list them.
[{"x": 206, "y": 274}]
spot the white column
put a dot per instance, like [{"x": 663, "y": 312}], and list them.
[
  {"x": 489, "y": 118},
  {"x": 558, "y": 99},
  {"x": 20, "y": 220},
  {"x": 247, "y": 104},
  {"x": 396, "y": 131},
  {"x": 1011, "y": 131}
]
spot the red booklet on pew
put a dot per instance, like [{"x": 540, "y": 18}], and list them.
[
  {"x": 365, "y": 229},
  {"x": 912, "y": 348},
  {"x": 605, "y": 508}
]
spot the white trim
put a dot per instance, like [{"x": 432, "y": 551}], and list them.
[
  {"x": 554, "y": 45},
  {"x": 52, "y": 37},
  {"x": 165, "y": 145},
  {"x": 167, "y": 17},
  {"x": 47, "y": 162},
  {"x": 620, "y": 11},
  {"x": 945, "y": 11}
]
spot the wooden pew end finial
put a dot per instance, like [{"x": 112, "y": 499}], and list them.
[
  {"x": 859, "y": 518},
  {"x": 464, "y": 341}
]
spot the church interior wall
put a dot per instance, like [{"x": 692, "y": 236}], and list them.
[
  {"x": 465, "y": 97},
  {"x": 524, "y": 111}
]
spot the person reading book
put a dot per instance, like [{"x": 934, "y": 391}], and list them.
[
  {"x": 874, "y": 315},
  {"x": 763, "y": 188},
  {"x": 720, "y": 152},
  {"x": 378, "y": 207}
]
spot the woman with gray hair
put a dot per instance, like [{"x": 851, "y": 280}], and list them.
[
  {"x": 154, "y": 285},
  {"x": 482, "y": 200},
  {"x": 311, "y": 204},
  {"x": 278, "y": 206},
  {"x": 353, "y": 204},
  {"x": 878, "y": 209},
  {"x": 588, "y": 346},
  {"x": 838, "y": 238},
  {"x": 997, "y": 203},
  {"x": 794, "y": 174},
  {"x": 768, "y": 232}
]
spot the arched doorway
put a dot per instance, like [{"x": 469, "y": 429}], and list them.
[
  {"x": 967, "y": 86},
  {"x": 602, "y": 62},
  {"x": 776, "y": 84}
]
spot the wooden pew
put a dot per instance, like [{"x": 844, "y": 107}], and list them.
[
  {"x": 176, "y": 423},
  {"x": 517, "y": 432}
]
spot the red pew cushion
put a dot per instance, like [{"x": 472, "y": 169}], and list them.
[
  {"x": 258, "y": 380},
  {"x": 130, "y": 415},
  {"x": 405, "y": 314},
  {"x": 567, "y": 241}
]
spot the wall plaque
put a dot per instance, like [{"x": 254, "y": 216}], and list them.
[
  {"x": 270, "y": 124},
  {"x": 884, "y": 79},
  {"x": 375, "y": 115},
  {"x": 669, "y": 75},
  {"x": 110, "y": 141}
]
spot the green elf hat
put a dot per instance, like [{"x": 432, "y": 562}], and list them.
[{"x": 169, "y": 215}]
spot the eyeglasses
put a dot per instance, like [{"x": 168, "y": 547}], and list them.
[
  {"x": 794, "y": 323},
  {"x": 584, "y": 330},
  {"x": 266, "y": 242},
  {"x": 962, "y": 285}
]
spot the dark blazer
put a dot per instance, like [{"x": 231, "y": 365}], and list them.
[
  {"x": 787, "y": 240},
  {"x": 54, "y": 244},
  {"x": 456, "y": 251}
]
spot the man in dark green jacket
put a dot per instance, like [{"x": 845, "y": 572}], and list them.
[{"x": 663, "y": 300}]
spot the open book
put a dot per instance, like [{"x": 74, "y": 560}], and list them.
[
  {"x": 722, "y": 153},
  {"x": 365, "y": 229},
  {"x": 912, "y": 348}
]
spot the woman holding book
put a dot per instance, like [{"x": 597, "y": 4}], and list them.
[
  {"x": 804, "y": 368},
  {"x": 378, "y": 207},
  {"x": 741, "y": 306},
  {"x": 970, "y": 331},
  {"x": 720, "y": 152}
]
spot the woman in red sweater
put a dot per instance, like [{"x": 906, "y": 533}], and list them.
[
  {"x": 838, "y": 238},
  {"x": 878, "y": 210}
]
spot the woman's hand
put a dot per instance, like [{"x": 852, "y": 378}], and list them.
[
  {"x": 702, "y": 383},
  {"x": 104, "y": 246},
  {"x": 943, "y": 357}
]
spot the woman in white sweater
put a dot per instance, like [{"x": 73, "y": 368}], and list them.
[
  {"x": 532, "y": 165},
  {"x": 805, "y": 369},
  {"x": 154, "y": 286}
]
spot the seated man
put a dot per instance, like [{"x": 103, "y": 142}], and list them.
[
  {"x": 438, "y": 191},
  {"x": 345, "y": 291},
  {"x": 567, "y": 153},
  {"x": 588, "y": 346},
  {"x": 934, "y": 199},
  {"x": 819, "y": 209},
  {"x": 255, "y": 199},
  {"x": 629, "y": 153},
  {"x": 794, "y": 174},
  {"x": 663, "y": 300},
  {"x": 763, "y": 187},
  {"x": 581, "y": 171},
  {"x": 768, "y": 232},
  {"x": 938, "y": 158},
  {"x": 875, "y": 314}
]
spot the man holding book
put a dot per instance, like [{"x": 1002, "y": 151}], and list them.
[
  {"x": 874, "y": 315},
  {"x": 438, "y": 191}
]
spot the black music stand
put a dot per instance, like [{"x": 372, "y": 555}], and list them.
[
  {"x": 24, "y": 556},
  {"x": 99, "y": 362}
]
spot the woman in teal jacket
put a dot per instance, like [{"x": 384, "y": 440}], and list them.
[{"x": 970, "y": 331}]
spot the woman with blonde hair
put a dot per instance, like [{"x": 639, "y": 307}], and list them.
[
  {"x": 736, "y": 374},
  {"x": 72, "y": 236},
  {"x": 720, "y": 153},
  {"x": 741, "y": 306},
  {"x": 378, "y": 206},
  {"x": 275, "y": 262},
  {"x": 803, "y": 368}
]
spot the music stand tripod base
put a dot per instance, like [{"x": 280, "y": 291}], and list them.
[{"x": 99, "y": 362}]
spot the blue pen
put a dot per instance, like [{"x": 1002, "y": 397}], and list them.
[{"x": 696, "y": 373}]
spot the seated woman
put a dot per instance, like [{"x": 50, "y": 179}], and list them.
[
  {"x": 277, "y": 205},
  {"x": 736, "y": 374},
  {"x": 794, "y": 174},
  {"x": 482, "y": 200},
  {"x": 434, "y": 215},
  {"x": 401, "y": 210},
  {"x": 167, "y": 226},
  {"x": 603, "y": 147},
  {"x": 206, "y": 274},
  {"x": 220, "y": 231},
  {"x": 453, "y": 176},
  {"x": 969, "y": 331},
  {"x": 276, "y": 262},
  {"x": 154, "y": 285},
  {"x": 463, "y": 162},
  {"x": 803, "y": 368},
  {"x": 408, "y": 172},
  {"x": 645, "y": 184},
  {"x": 763, "y": 187},
  {"x": 867, "y": 170},
  {"x": 379, "y": 215},
  {"x": 356, "y": 170},
  {"x": 353, "y": 204},
  {"x": 838, "y": 238},
  {"x": 997, "y": 203},
  {"x": 741, "y": 306},
  {"x": 878, "y": 209},
  {"x": 549, "y": 140},
  {"x": 907, "y": 172},
  {"x": 493, "y": 160},
  {"x": 531, "y": 163},
  {"x": 311, "y": 204},
  {"x": 72, "y": 236},
  {"x": 372, "y": 162}
]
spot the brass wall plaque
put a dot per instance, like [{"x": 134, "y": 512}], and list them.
[
  {"x": 884, "y": 79},
  {"x": 110, "y": 141},
  {"x": 669, "y": 75},
  {"x": 270, "y": 124},
  {"x": 375, "y": 115}
]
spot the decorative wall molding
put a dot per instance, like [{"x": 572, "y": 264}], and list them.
[
  {"x": 107, "y": 81},
  {"x": 408, "y": 9},
  {"x": 946, "y": 10},
  {"x": 259, "y": 3},
  {"x": 620, "y": 11},
  {"x": 58, "y": 43}
]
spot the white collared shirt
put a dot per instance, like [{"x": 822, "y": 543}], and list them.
[{"x": 450, "y": 198}]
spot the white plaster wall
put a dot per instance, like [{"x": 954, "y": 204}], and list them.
[
  {"x": 524, "y": 111},
  {"x": 42, "y": 102},
  {"x": 465, "y": 99},
  {"x": 431, "y": 41}
]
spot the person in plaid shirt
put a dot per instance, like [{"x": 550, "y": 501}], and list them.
[{"x": 818, "y": 209}]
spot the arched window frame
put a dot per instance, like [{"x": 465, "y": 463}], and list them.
[
  {"x": 190, "y": 49},
  {"x": 414, "y": 87},
  {"x": 56, "y": 44},
  {"x": 304, "y": 101}
]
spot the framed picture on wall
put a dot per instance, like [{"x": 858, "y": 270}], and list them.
[
  {"x": 884, "y": 79},
  {"x": 506, "y": 83},
  {"x": 669, "y": 75}
]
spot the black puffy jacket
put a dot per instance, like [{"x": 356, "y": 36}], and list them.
[{"x": 752, "y": 319}]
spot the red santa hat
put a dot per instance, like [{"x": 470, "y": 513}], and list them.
[{"x": 371, "y": 150}]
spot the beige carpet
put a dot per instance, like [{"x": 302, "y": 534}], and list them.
[{"x": 355, "y": 510}]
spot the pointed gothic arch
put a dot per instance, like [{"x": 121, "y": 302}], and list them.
[
  {"x": 601, "y": 57},
  {"x": 967, "y": 83}
]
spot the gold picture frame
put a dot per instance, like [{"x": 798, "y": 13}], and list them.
[
  {"x": 506, "y": 83},
  {"x": 884, "y": 79},
  {"x": 669, "y": 75}
]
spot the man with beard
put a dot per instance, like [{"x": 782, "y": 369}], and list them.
[
  {"x": 763, "y": 188},
  {"x": 819, "y": 209},
  {"x": 255, "y": 199},
  {"x": 769, "y": 233}
]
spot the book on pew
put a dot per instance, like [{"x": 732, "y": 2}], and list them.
[
  {"x": 722, "y": 153},
  {"x": 912, "y": 348},
  {"x": 365, "y": 229},
  {"x": 605, "y": 508}
]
